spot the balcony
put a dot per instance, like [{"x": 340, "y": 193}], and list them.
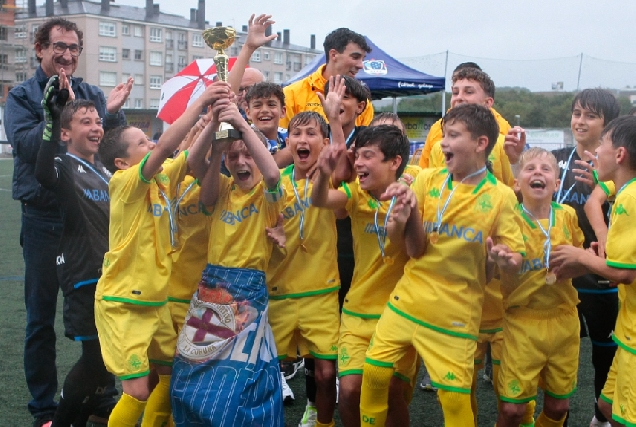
[
  {"x": 182, "y": 45},
  {"x": 169, "y": 67},
  {"x": 169, "y": 44}
]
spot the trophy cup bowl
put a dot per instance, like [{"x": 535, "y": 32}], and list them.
[{"x": 219, "y": 39}]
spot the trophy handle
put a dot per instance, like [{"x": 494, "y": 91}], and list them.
[{"x": 221, "y": 62}]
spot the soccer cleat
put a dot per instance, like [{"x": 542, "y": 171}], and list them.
[
  {"x": 288, "y": 394},
  {"x": 290, "y": 369},
  {"x": 596, "y": 423},
  {"x": 426, "y": 383},
  {"x": 309, "y": 417}
]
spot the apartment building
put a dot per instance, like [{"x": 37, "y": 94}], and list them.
[{"x": 122, "y": 41}]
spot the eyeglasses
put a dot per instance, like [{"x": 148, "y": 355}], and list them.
[
  {"x": 245, "y": 88},
  {"x": 60, "y": 48}
]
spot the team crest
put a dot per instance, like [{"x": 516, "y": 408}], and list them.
[{"x": 484, "y": 203}]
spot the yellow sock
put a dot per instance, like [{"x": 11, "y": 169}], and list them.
[
  {"x": 374, "y": 397},
  {"x": 473, "y": 396},
  {"x": 528, "y": 417},
  {"x": 331, "y": 424},
  {"x": 158, "y": 409},
  {"x": 456, "y": 408},
  {"x": 545, "y": 421},
  {"x": 127, "y": 412}
]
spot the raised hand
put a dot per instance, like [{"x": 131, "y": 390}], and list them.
[
  {"x": 52, "y": 111},
  {"x": 331, "y": 103},
  {"x": 118, "y": 96},
  {"x": 515, "y": 142},
  {"x": 256, "y": 28},
  {"x": 66, "y": 84},
  {"x": 328, "y": 159},
  {"x": 500, "y": 254},
  {"x": 585, "y": 170},
  {"x": 215, "y": 92}
]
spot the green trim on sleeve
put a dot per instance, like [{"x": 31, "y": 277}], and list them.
[
  {"x": 141, "y": 166},
  {"x": 433, "y": 327},
  {"x": 160, "y": 362},
  {"x": 595, "y": 177},
  {"x": 623, "y": 345},
  {"x": 183, "y": 301},
  {"x": 606, "y": 399},
  {"x": 273, "y": 195},
  {"x": 304, "y": 294},
  {"x": 136, "y": 302},
  {"x": 620, "y": 265},
  {"x": 622, "y": 421},
  {"x": 346, "y": 189}
]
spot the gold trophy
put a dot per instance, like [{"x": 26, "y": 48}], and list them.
[{"x": 219, "y": 39}]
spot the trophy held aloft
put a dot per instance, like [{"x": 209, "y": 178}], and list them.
[{"x": 219, "y": 39}]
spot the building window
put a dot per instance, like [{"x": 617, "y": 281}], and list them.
[
  {"x": 139, "y": 103},
  {"x": 168, "y": 35},
  {"x": 106, "y": 78},
  {"x": 256, "y": 56},
  {"x": 195, "y": 57},
  {"x": 20, "y": 76},
  {"x": 20, "y": 32},
  {"x": 266, "y": 75},
  {"x": 197, "y": 40},
  {"x": 125, "y": 77},
  {"x": 278, "y": 58},
  {"x": 154, "y": 104},
  {"x": 308, "y": 59},
  {"x": 125, "y": 29},
  {"x": 182, "y": 37},
  {"x": 155, "y": 82},
  {"x": 4, "y": 33},
  {"x": 138, "y": 54},
  {"x": 107, "y": 29},
  {"x": 107, "y": 54},
  {"x": 139, "y": 79},
  {"x": 34, "y": 29},
  {"x": 182, "y": 61},
  {"x": 156, "y": 59},
  {"x": 169, "y": 58},
  {"x": 125, "y": 53},
  {"x": 266, "y": 55},
  {"x": 20, "y": 56},
  {"x": 126, "y": 104},
  {"x": 138, "y": 31},
  {"x": 155, "y": 35},
  {"x": 278, "y": 77}
]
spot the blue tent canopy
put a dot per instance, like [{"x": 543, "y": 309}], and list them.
[{"x": 384, "y": 75}]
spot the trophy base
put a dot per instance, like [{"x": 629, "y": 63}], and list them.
[{"x": 226, "y": 133}]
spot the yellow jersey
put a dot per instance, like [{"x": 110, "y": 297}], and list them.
[
  {"x": 444, "y": 289},
  {"x": 237, "y": 232},
  {"x": 373, "y": 277},
  {"x": 609, "y": 189},
  {"x": 138, "y": 263},
  {"x": 528, "y": 288},
  {"x": 621, "y": 253},
  {"x": 193, "y": 221},
  {"x": 435, "y": 135},
  {"x": 500, "y": 164},
  {"x": 301, "y": 96},
  {"x": 296, "y": 271}
]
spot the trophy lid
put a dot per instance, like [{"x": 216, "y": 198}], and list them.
[{"x": 219, "y": 38}]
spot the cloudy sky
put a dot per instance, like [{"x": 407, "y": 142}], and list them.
[{"x": 518, "y": 30}]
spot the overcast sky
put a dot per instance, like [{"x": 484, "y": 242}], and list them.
[{"x": 501, "y": 29}]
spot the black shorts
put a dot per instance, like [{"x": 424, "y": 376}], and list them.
[
  {"x": 79, "y": 314},
  {"x": 598, "y": 313}
]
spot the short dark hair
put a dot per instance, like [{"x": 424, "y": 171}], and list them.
[
  {"x": 113, "y": 147},
  {"x": 355, "y": 88},
  {"x": 265, "y": 90},
  {"x": 599, "y": 101},
  {"x": 466, "y": 65},
  {"x": 477, "y": 75},
  {"x": 386, "y": 117},
  {"x": 340, "y": 38},
  {"x": 622, "y": 132},
  {"x": 43, "y": 34},
  {"x": 390, "y": 140},
  {"x": 479, "y": 121},
  {"x": 306, "y": 117},
  {"x": 71, "y": 108}
]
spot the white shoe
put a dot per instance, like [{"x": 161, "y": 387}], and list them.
[
  {"x": 596, "y": 423},
  {"x": 309, "y": 417},
  {"x": 337, "y": 388},
  {"x": 288, "y": 394}
]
